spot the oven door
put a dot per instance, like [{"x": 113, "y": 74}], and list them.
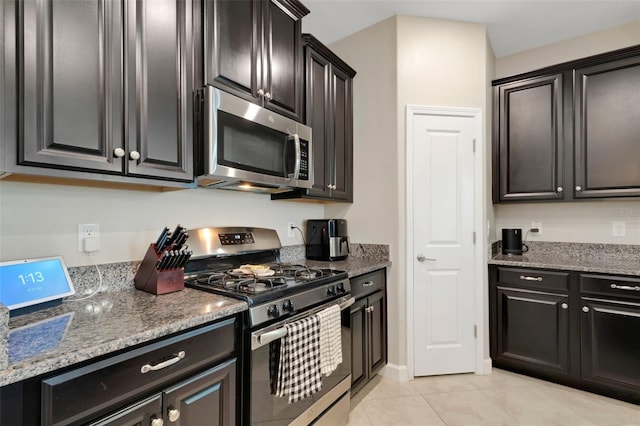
[{"x": 266, "y": 408}]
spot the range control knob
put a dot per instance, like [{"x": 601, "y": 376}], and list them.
[
  {"x": 331, "y": 290},
  {"x": 340, "y": 288},
  {"x": 287, "y": 306},
  {"x": 273, "y": 311}
]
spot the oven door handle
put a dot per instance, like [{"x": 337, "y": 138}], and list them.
[
  {"x": 260, "y": 339},
  {"x": 270, "y": 336}
]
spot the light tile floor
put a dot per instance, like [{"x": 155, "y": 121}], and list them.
[{"x": 500, "y": 398}]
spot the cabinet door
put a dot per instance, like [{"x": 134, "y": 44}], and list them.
[
  {"x": 282, "y": 59},
  {"x": 342, "y": 136},
  {"x": 377, "y": 332},
  {"x": 208, "y": 398},
  {"x": 607, "y": 152},
  {"x": 140, "y": 414},
  {"x": 70, "y": 93},
  {"x": 611, "y": 343},
  {"x": 232, "y": 46},
  {"x": 528, "y": 139},
  {"x": 160, "y": 81},
  {"x": 359, "y": 342},
  {"x": 318, "y": 116},
  {"x": 533, "y": 329}
]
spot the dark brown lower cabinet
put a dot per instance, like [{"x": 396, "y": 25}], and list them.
[
  {"x": 577, "y": 329},
  {"x": 206, "y": 399},
  {"x": 533, "y": 328},
  {"x": 368, "y": 328}
]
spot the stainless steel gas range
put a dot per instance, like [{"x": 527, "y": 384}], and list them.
[{"x": 244, "y": 263}]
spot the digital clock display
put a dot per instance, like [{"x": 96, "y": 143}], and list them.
[{"x": 32, "y": 281}]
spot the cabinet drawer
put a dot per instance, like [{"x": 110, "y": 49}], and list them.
[
  {"x": 607, "y": 285},
  {"x": 534, "y": 278},
  {"x": 368, "y": 283},
  {"x": 88, "y": 391}
]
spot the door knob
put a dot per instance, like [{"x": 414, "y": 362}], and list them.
[{"x": 422, "y": 258}]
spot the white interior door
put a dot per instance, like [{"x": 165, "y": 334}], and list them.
[{"x": 443, "y": 243}]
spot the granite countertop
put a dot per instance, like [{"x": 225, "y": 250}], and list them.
[
  {"x": 122, "y": 317},
  {"x": 76, "y": 331},
  {"x": 585, "y": 262}
]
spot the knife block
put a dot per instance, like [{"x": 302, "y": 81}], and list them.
[{"x": 149, "y": 279}]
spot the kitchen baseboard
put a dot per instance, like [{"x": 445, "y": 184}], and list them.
[{"x": 398, "y": 373}]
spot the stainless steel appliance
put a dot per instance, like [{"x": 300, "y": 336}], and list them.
[
  {"x": 327, "y": 239},
  {"x": 244, "y": 263},
  {"x": 512, "y": 241},
  {"x": 247, "y": 147}
]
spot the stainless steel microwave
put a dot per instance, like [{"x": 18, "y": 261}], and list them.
[{"x": 250, "y": 148}]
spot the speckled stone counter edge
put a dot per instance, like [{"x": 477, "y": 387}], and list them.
[
  {"x": 4, "y": 333},
  {"x": 619, "y": 259}
]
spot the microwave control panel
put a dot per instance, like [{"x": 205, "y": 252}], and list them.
[{"x": 304, "y": 160}]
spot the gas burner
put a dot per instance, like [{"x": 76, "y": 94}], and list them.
[
  {"x": 241, "y": 282},
  {"x": 300, "y": 272}
]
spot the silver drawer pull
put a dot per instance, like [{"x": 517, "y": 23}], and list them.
[
  {"x": 367, "y": 284},
  {"x": 564, "y": 306},
  {"x": 147, "y": 367},
  {"x": 626, "y": 287},
  {"x": 527, "y": 278}
]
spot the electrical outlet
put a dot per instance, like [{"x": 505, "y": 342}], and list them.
[
  {"x": 291, "y": 227},
  {"x": 92, "y": 231},
  {"x": 619, "y": 229},
  {"x": 537, "y": 225}
]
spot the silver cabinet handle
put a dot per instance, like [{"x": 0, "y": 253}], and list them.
[
  {"x": 370, "y": 309},
  {"x": 157, "y": 422},
  {"x": 578, "y": 188},
  {"x": 267, "y": 96},
  {"x": 118, "y": 152},
  {"x": 585, "y": 309},
  {"x": 527, "y": 278},
  {"x": 367, "y": 284},
  {"x": 626, "y": 287},
  {"x": 421, "y": 258},
  {"x": 559, "y": 189},
  {"x": 174, "y": 414},
  {"x": 260, "y": 92},
  {"x": 134, "y": 155},
  {"x": 148, "y": 367},
  {"x": 564, "y": 306}
]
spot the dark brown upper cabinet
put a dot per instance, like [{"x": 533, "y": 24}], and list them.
[
  {"x": 253, "y": 50},
  {"x": 101, "y": 86},
  {"x": 569, "y": 131},
  {"x": 329, "y": 112},
  {"x": 607, "y": 130},
  {"x": 529, "y": 136}
]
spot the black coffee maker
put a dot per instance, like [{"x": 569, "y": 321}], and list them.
[
  {"x": 512, "y": 241},
  {"x": 327, "y": 239}
]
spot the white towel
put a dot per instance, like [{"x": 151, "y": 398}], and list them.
[
  {"x": 299, "y": 370},
  {"x": 330, "y": 339}
]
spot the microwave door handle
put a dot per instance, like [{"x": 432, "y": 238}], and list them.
[{"x": 296, "y": 169}]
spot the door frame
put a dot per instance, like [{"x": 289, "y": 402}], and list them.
[{"x": 482, "y": 365}]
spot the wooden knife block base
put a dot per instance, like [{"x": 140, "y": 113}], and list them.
[{"x": 149, "y": 279}]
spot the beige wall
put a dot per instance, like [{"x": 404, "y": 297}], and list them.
[
  {"x": 588, "y": 221},
  {"x": 41, "y": 220},
  {"x": 373, "y": 217},
  {"x": 574, "y": 48},
  {"x": 403, "y": 60}
]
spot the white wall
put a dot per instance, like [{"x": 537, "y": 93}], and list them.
[
  {"x": 41, "y": 220},
  {"x": 437, "y": 63},
  {"x": 585, "y": 221}
]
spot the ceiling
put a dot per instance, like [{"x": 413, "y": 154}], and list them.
[{"x": 512, "y": 25}]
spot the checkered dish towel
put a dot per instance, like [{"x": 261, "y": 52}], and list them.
[
  {"x": 330, "y": 339},
  {"x": 299, "y": 370}
]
